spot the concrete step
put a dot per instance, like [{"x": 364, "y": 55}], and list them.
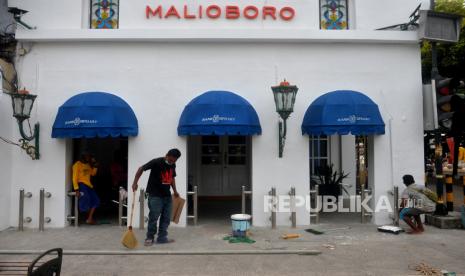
[{"x": 451, "y": 221}]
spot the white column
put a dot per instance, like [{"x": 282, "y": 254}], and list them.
[{"x": 379, "y": 175}]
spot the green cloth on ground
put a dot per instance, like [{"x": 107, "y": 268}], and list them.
[
  {"x": 314, "y": 231},
  {"x": 232, "y": 239}
]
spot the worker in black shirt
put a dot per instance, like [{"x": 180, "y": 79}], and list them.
[{"x": 161, "y": 179}]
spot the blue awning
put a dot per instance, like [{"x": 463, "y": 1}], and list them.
[
  {"x": 95, "y": 114},
  {"x": 343, "y": 112},
  {"x": 219, "y": 113}
]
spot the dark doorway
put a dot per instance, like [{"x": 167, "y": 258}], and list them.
[{"x": 112, "y": 157}]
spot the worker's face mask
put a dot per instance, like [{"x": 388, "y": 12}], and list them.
[{"x": 169, "y": 160}]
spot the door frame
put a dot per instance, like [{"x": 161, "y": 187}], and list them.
[{"x": 194, "y": 167}]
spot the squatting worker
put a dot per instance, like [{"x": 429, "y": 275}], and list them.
[
  {"x": 414, "y": 203},
  {"x": 161, "y": 179},
  {"x": 83, "y": 169}
]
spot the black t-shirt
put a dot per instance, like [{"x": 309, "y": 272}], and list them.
[{"x": 161, "y": 177}]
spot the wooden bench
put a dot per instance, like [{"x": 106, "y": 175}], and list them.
[
  {"x": 44, "y": 265},
  {"x": 14, "y": 267}
]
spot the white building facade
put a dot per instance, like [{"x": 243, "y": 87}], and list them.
[{"x": 165, "y": 53}]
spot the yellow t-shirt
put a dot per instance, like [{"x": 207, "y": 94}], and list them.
[
  {"x": 82, "y": 173},
  {"x": 461, "y": 153}
]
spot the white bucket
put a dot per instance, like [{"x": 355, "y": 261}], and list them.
[{"x": 240, "y": 224}]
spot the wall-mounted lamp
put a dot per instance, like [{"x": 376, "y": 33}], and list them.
[
  {"x": 284, "y": 98},
  {"x": 22, "y": 105},
  {"x": 17, "y": 13}
]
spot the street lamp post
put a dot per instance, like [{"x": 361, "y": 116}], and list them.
[
  {"x": 284, "y": 98},
  {"x": 22, "y": 103}
]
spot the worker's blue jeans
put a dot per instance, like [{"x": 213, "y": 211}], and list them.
[{"x": 159, "y": 207}]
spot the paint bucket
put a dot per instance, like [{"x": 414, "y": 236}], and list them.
[{"x": 240, "y": 224}]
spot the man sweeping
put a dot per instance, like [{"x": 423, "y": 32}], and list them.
[{"x": 161, "y": 179}]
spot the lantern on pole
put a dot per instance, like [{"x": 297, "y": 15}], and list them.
[
  {"x": 22, "y": 103},
  {"x": 284, "y": 98}
]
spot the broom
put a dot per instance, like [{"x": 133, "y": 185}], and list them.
[{"x": 129, "y": 238}]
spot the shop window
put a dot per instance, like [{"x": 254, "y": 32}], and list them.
[
  {"x": 334, "y": 15},
  {"x": 319, "y": 153},
  {"x": 211, "y": 152},
  {"x": 237, "y": 151},
  {"x": 104, "y": 14}
]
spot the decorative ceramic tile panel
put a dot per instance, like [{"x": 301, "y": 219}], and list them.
[
  {"x": 333, "y": 15},
  {"x": 104, "y": 14}
]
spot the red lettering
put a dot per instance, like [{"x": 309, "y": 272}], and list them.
[
  {"x": 186, "y": 13},
  {"x": 232, "y": 12},
  {"x": 172, "y": 12},
  {"x": 247, "y": 13},
  {"x": 250, "y": 12},
  {"x": 149, "y": 11},
  {"x": 287, "y": 13},
  {"x": 213, "y": 15},
  {"x": 269, "y": 11}
]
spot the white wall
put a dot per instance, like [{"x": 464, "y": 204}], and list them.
[
  {"x": 54, "y": 14},
  {"x": 158, "y": 79},
  {"x": 375, "y": 14},
  {"x": 364, "y": 14},
  {"x": 6, "y": 129}
]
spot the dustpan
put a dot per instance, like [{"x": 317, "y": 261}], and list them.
[{"x": 390, "y": 229}]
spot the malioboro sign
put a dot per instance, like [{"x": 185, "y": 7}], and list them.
[{"x": 213, "y": 11}]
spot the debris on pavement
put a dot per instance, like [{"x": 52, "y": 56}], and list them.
[
  {"x": 232, "y": 239},
  {"x": 314, "y": 231},
  {"x": 426, "y": 269},
  {"x": 319, "y": 232},
  {"x": 310, "y": 253},
  {"x": 290, "y": 236},
  {"x": 329, "y": 246}
]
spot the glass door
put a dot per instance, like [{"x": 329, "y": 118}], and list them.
[
  {"x": 235, "y": 169},
  {"x": 224, "y": 165},
  {"x": 211, "y": 166}
]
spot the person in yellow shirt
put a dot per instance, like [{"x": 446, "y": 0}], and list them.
[
  {"x": 461, "y": 153},
  {"x": 82, "y": 172}
]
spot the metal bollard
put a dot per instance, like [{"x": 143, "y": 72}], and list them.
[
  {"x": 272, "y": 193},
  {"x": 316, "y": 194},
  {"x": 293, "y": 217},
  {"x": 364, "y": 212},
  {"x": 21, "y": 219},
  {"x": 21, "y": 211},
  {"x": 141, "y": 209},
  {"x": 195, "y": 199},
  {"x": 450, "y": 193},
  {"x": 244, "y": 195},
  {"x": 463, "y": 181},
  {"x": 120, "y": 210},
  {"x": 74, "y": 218},
  {"x": 42, "y": 197},
  {"x": 396, "y": 206}
]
